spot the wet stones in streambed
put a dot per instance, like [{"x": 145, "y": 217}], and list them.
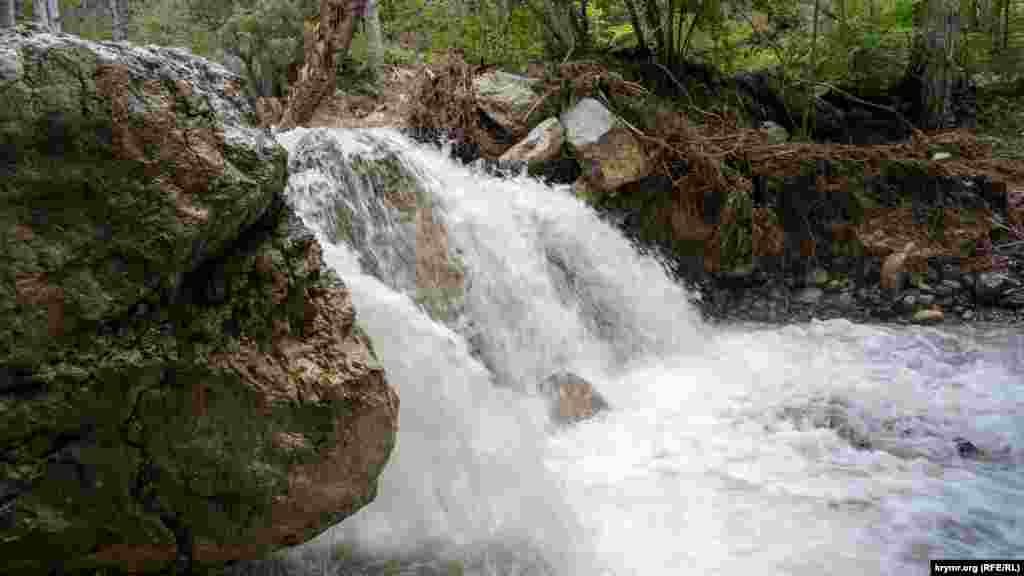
[
  {"x": 940, "y": 292},
  {"x": 571, "y": 398}
]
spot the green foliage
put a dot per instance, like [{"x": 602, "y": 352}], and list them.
[
  {"x": 736, "y": 240},
  {"x": 484, "y": 34},
  {"x": 267, "y": 35}
]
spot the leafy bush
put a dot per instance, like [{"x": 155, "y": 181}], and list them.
[{"x": 267, "y": 36}]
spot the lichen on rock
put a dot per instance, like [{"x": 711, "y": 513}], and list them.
[{"x": 180, "y": 378}]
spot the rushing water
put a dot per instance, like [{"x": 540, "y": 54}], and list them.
[{"x": 821, "y": 448}]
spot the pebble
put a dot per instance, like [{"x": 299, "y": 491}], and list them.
[{"x": 929, "y": 316}]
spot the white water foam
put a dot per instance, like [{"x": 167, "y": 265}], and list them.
[{"x": 727, "y": 449}]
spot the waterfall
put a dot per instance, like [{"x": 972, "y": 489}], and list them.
[{"x": 826, "y": 447}]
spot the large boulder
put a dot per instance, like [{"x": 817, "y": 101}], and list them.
[
  {"x": 181, "y": 379},
  {"x": 610, "y": 154}
]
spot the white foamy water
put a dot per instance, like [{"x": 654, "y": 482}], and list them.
[{"x": 726, "y": 449}]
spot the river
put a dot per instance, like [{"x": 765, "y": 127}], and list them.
[{"x": 819, "y": 448}]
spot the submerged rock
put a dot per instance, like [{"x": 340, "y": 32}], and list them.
[
  {"x": 181, "y": 378},
  {"x": 572, "y": 397}
]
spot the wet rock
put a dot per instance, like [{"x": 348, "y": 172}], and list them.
[
  {"x": 966, "y": 449},
  {"x": 254, "y": 415},
  {"x": 1013, "y": 299},
  {"x": 542, "y": 144},
  {"x": 572, "y": 397},
  {"x": 909, "y": 302},
  {"x": 929, "y": 316},
  {"x": 810, "y": 295},
  {"x": 893, "y": 276},
  {"x": 991, "y": 287},
  {"x": 609, "y": 153}
]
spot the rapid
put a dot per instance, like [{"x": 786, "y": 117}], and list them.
[{"x": 820, "y": 448}]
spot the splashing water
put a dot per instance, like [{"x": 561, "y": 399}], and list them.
[{"x": 826, "y": 447}]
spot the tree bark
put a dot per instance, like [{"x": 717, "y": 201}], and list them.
[
  {"x": 374, "y": 36},
  {"x": 331, "y": 35},
  {"x": 6, "y": 13},
  {"x": 933, "y": 62},
  {"x": 115, "y": 17}
]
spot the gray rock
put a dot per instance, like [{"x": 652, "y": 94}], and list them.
[
  {"x": 909, "y": 302},
  {"x": 1013, "y": 298},
  {"x": 609, "y": 153},
  {"x": 586, "y": 122},
  {"x": 990, "y": 287},
  {"x": 810, "y": 295}
]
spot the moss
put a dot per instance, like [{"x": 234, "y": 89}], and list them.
[{"x": 441, "y": 303}]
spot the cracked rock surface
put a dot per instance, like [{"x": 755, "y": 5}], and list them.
[{"x": 181, "y": 377}]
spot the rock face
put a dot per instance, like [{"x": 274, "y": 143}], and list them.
[
  {"x": 572, "y": 398},
  {"x": 180, "y": 377},
  {"x": 611, "y": 155}
]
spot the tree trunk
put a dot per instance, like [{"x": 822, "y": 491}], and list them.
[
  {"x": 115, "y": 17},
  {"x": 374, "y": 36},
  {"x": 332, "y": 34},
  {"x": 937, "y": 42},
  {"x": 6, "y": 13}
]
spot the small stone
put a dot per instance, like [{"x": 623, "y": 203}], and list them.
[
  {"x": 967, "y": 315},
  {"x": 810, "y": 295},
  {"x": 928, "y": 316},
  {"x": 835, "y": 285},
  {"x": 942, "y": 156},
  {"x": 846, "y": 301},
  {"x": 965, "y": 448},
  {"x": 909, "y": 302},
  {"x": 990, "y": 286},
  {"x": 926, "y": 299},
  {"x": 1013, "y": 299},
  {"x": 894, "y": 274}
]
